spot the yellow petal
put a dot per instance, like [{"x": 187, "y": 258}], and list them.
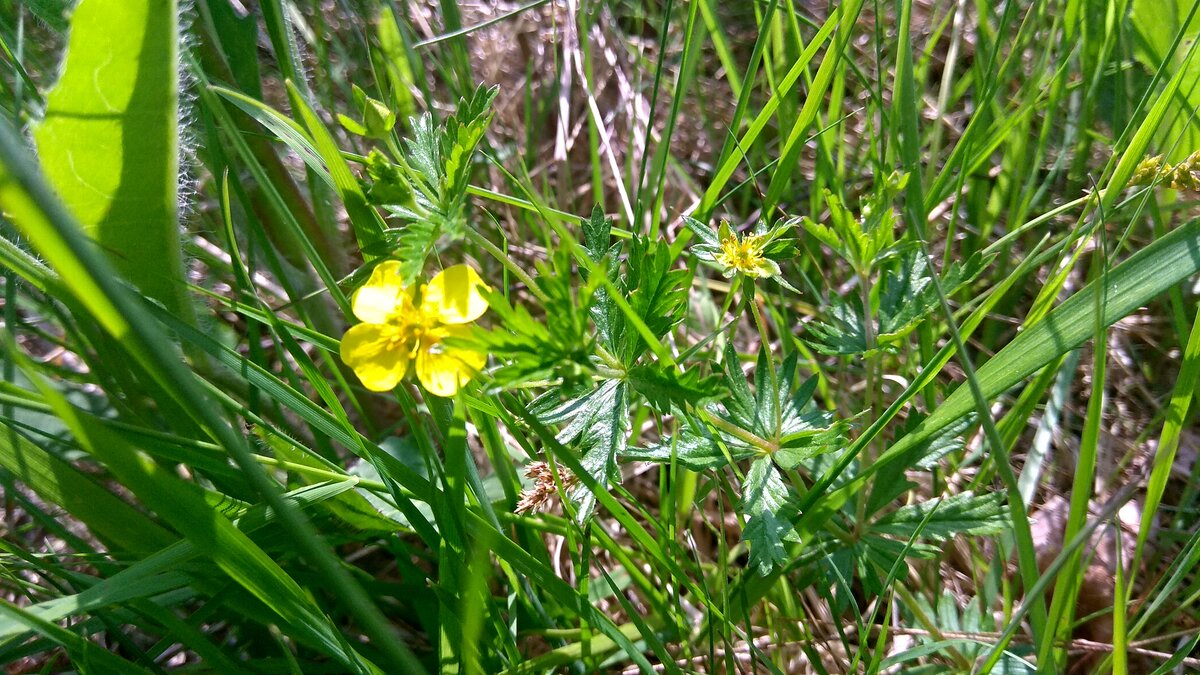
[
  {"x": 443, "y": 369},
  {"x": 454, "y": 297},
  {"x": 382, "y": 295},
  {"x": 374, "y": 357}
]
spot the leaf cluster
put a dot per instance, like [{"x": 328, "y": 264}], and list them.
[
  {"x": 778, "y": 425},
  {"x": 904, "y": 297},
  {"x": 436, "y": 166}
]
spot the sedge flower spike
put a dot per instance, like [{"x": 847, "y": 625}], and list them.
[{"x": 406, "y": 325}]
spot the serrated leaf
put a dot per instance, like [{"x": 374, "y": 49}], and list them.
[
  {"x": 425, "y": 155},
  {"x": 597, "y": 232},
  {"x": 906, "y": 297},
  {"x": 668, "y": 389},
  {"x": 800, "y": 432},
  {"x": 462, "y": 135},
  {"x": 694, "y": 448},
  {"x": 656, "y": 291},
  {"x": 963, "y": 513},
  {"x": 529, "y": 349},
  {"x": 707, "y": 235},
  {"x": 600, "y": 422},
  {"x": 924, "y": 456},
  {"x": 769, "y": 510}
]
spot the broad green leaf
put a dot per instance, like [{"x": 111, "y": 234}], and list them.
[
  {"x": 694, "y": 448},
  {"x": 109, "y": 139},
  {"x": 600, "y": 420}
]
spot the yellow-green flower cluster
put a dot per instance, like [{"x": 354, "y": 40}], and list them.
[
  {"x": 1182, "y": 176},
  {"x": 406, "y": 325}
]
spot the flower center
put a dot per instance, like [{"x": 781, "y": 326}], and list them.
[
  {"x": 406, "y": 333},
  {"x": 744, "y": 255}
]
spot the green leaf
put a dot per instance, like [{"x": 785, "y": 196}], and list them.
[
  {"x": 906, "y": 297},
  {"x": 694, "y": 448},
  {"x": 367, "y": 225},
  {"x": 463, "y": 132},
  {"x": 1156, "y": 23},
  {"x": 528, "y": 349},
  {"x": 109, "y": 139},
  {"x": 377, "y": 120},
  {"x": 394, "y": 56},
  {"x": 600, "y": 420},
  {"x": 799, "y": 432},
  {"x": 769, "y": 509},
  {"x": 924, "y": 456},
  {"x": 597, "y": 232},
  {"x": 666, "y": 388},
  {"x": 655, "y": 290},
  {"x": 946, "y": 517},
  {"x": 57, "y": 482},
  {"x": 385, "y": 184}
]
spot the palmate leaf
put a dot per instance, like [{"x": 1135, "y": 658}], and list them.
[
  {"x": 778, "y": 412},
  {"x": 784, "y": 428},
  {"x": 924, "y": 456}
]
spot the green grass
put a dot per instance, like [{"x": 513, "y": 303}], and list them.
[{"x": 953, "y": 303}]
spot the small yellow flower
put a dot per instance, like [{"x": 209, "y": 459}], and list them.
[
  {"x": 744, "y": 254},
  {"x": 401, "y": 326}
]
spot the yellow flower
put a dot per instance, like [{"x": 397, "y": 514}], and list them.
[
  {"x": 401, "y": 326},
  {"x": 745, "y": 255}
]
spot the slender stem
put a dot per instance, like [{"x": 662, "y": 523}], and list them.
[{"x": 766, "y": 345}]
